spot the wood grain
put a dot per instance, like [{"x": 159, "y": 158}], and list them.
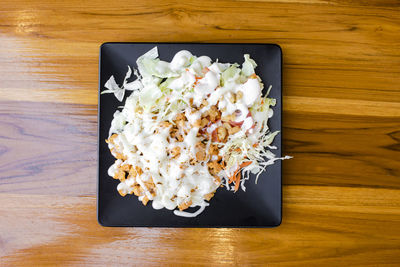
[
  {"x": 358, "y": 226},
  {"x": 341, "y": 122}
]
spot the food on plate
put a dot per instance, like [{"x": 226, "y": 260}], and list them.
[{"x": 189, "y": 127}]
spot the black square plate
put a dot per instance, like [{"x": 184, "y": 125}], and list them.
[{"x": 259, "y": 206}]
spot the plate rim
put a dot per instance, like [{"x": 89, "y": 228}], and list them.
[{"x": 279, "y": 222}]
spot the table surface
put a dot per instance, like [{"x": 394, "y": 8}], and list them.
[{"x": 341, "y": 194}]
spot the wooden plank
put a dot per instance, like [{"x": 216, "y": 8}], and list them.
[
  {"x": 341, "y": 150},
  {"x": 322, "y": 225},
  {"x": 48, "y": 148}
]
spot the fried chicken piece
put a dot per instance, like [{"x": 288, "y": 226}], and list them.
[
  {"x": 126, "y": 167},
  {"x": 145, "y": 200},
  {"x": 175, "y": 152},
  {"x": 119, "y": 175},
  {"x": 204, "y": 122},
  {"x": 122, "y": 193},
  {"x": 197, "y": 123},
  {"x": 184, "y": 205},
  {"x": 201, "y": 151},
  {"x": 132, "y": 172},
  {"x": 230, "y": 117},
  {"x": 119, "y": 156},
  {"x": 208, "y": 196},
  {"x": 222, "y": 134},
  {"x": 233, "y": 130},
  {"x": 110, "y": 140},
  {"x": 139, "y": 170},
  {"x": 214, "y": 167},
  {"x": 213, "y": 150},
  {"x": 137, "y": 190},
  {"x": 214, "y": 113},
  {"x": 165, "y": 124}
]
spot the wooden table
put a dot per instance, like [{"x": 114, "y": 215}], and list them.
[{"x": 341, "y": 124}]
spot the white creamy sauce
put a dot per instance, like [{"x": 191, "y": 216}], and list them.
[
  {"x": 251, "y": 91},
  {"x": 247, "y": 123},
  {"x": 191, "y": 139},
  {"x": 242, "y": 111},
  {"x": 207, "y": 84},
  {"x": 190, "y": 215},
  {"x": 117, "y": 123},
  {"x": 186, "y": 79},
  {"x": 147, "y": 145},
  {"x": 270, "y": 113},
  {"x": 205, "y": 61},
  {"x": 180, "y": 60},
  {"x": 213, "y": 126},
  {"x": 192, "y": 117},
  {"x": 218, "y": 67}
]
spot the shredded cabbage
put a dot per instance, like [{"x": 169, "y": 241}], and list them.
[
  {"x": 230, "y": 73},
  {"x": 248, "y": 65}
]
